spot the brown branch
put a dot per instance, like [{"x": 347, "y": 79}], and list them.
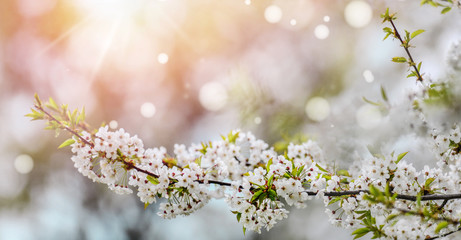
[
  {"x": 73, "y": 132},
  {"x": 399, "y": 196},
  {"x": 444, "y": 235},
  {"x": 131, "y": 165},
  {"x": 421, "y": 214},
  {"x": 406, "y": 47}
]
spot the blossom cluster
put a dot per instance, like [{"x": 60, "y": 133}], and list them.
[
  {"x": 257, "y": 178},
  {"x": 258, "y": 183}
]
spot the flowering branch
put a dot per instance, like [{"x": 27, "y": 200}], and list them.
[{"x": 257, "y": 177}]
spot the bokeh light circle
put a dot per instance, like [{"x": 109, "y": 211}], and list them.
[
  {"x": 163, "y": 58},
  {"x": 317, "y": 109},
  {"x": 273, "y": 14},
  {"x": 147, "y": 109},
  {"x": 213, "y": 96},
  {"x": 24, "y": 164},
  {"x": 368, "y": 75},
  {"x": 321, "y": 31},
  {"x": 113, "y": 124},
  {"x": 358, "y": 14},
  {"x": 258, "y": 120}
]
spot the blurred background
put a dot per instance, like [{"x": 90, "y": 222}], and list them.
[{"x": 177, "y": 71}]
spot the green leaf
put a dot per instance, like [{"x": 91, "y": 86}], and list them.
[
  {"x": 360, "y": 232},
  {"x": 52, "y": 104},
  {"x": 320, "y": 168},
  {"x": 239, "y": 215},
  {"x": 336, "y": 199},
  {"x": 256, "y": 195},
  {"x": 232, "y": 137},
  {"x": 428, "y": 182},
  {"x": 400, "y": 156},
  {"x": 198, "y": 161},
  {"x": 391, "y": 217},
  {"x": 300, "y": 170},
  {"x": 441, "y": 226},
  {"x": 268, "y": 165},
  {"x": 272, "y": 194},
  {"x": 269, "y": 182},
  {"x": 445, "y": 10},
  {"x": 153, "y": 180},
  {"x": 416, "y": 33},
  {"x": 399, "y": 59},
  {"x": 383, "y": 94},
  {"x": 343, "y": 172},
  {"x": 244, "y": 230},
  {"x": 146, "y": 205},
  {"x": 81, "y": 116},
  {"x": 262, "y": 197},
  {"x": 412, "y": 74},
  {"x": 375, "y": 191},
  {"x": 37, "y": 100},
  {"x": 73, "y": 117},
  {"x": 371, "y": 102},
  {"x": 67, "y": 143},
  {"x": 35, "y": 115}
]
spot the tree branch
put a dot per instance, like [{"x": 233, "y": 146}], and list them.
[
  {"x": 131, "y": 165},
  {"x": 444, "y": 235},
  {"x": 52, "y": 118},
  {"x": 406, "y": 47}
]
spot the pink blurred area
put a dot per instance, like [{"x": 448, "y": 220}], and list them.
[{"x": 115, "y": 56}]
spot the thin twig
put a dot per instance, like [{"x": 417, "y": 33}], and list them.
[
  {"x": 444, "y": 235},
  {"x": 405, "y": 46},
  {"x": 421, "y": 214},
  {"x": 40, "y": 108}
]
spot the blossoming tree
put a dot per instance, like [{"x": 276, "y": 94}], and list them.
[{"x": 386, "y": 197}]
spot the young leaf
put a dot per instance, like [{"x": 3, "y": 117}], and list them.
[
  {"x": 37, "y": 100},
  {"x": 399, "y": 59},
  {"x": 371, "y": 102},
  {"x": 256, "y": 195},
  {"x": 343, "y": 172},
  {"x": 35, "y": 115},
  {"x": 198, "y": 161},
  {"x": 272, "y": 194},
  {"x": 445, "y": 10},
  {"x": 52, "y": 104},
  {"x": 428, "y": 182},
  {"x": 383, "y": 94},
  {"x": 153, "y": 180},
  {"x": 81, "y": 117},
  {"x": 320, "y": 168},
  {"x": 392, "y": 216},
  {"x": 67, "y": 143},
  {"x": 268, "y": 165},
  {"x": 269, "y": 182},
  {"x": 360, "y": 232},
  {"x": 232, "y": 137},
  {"x": 400, "y": 156},
  {"x": 416, "y": 33},
  {"x": 412, "y": 74},
  {"x": 441, "y": 226}
]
